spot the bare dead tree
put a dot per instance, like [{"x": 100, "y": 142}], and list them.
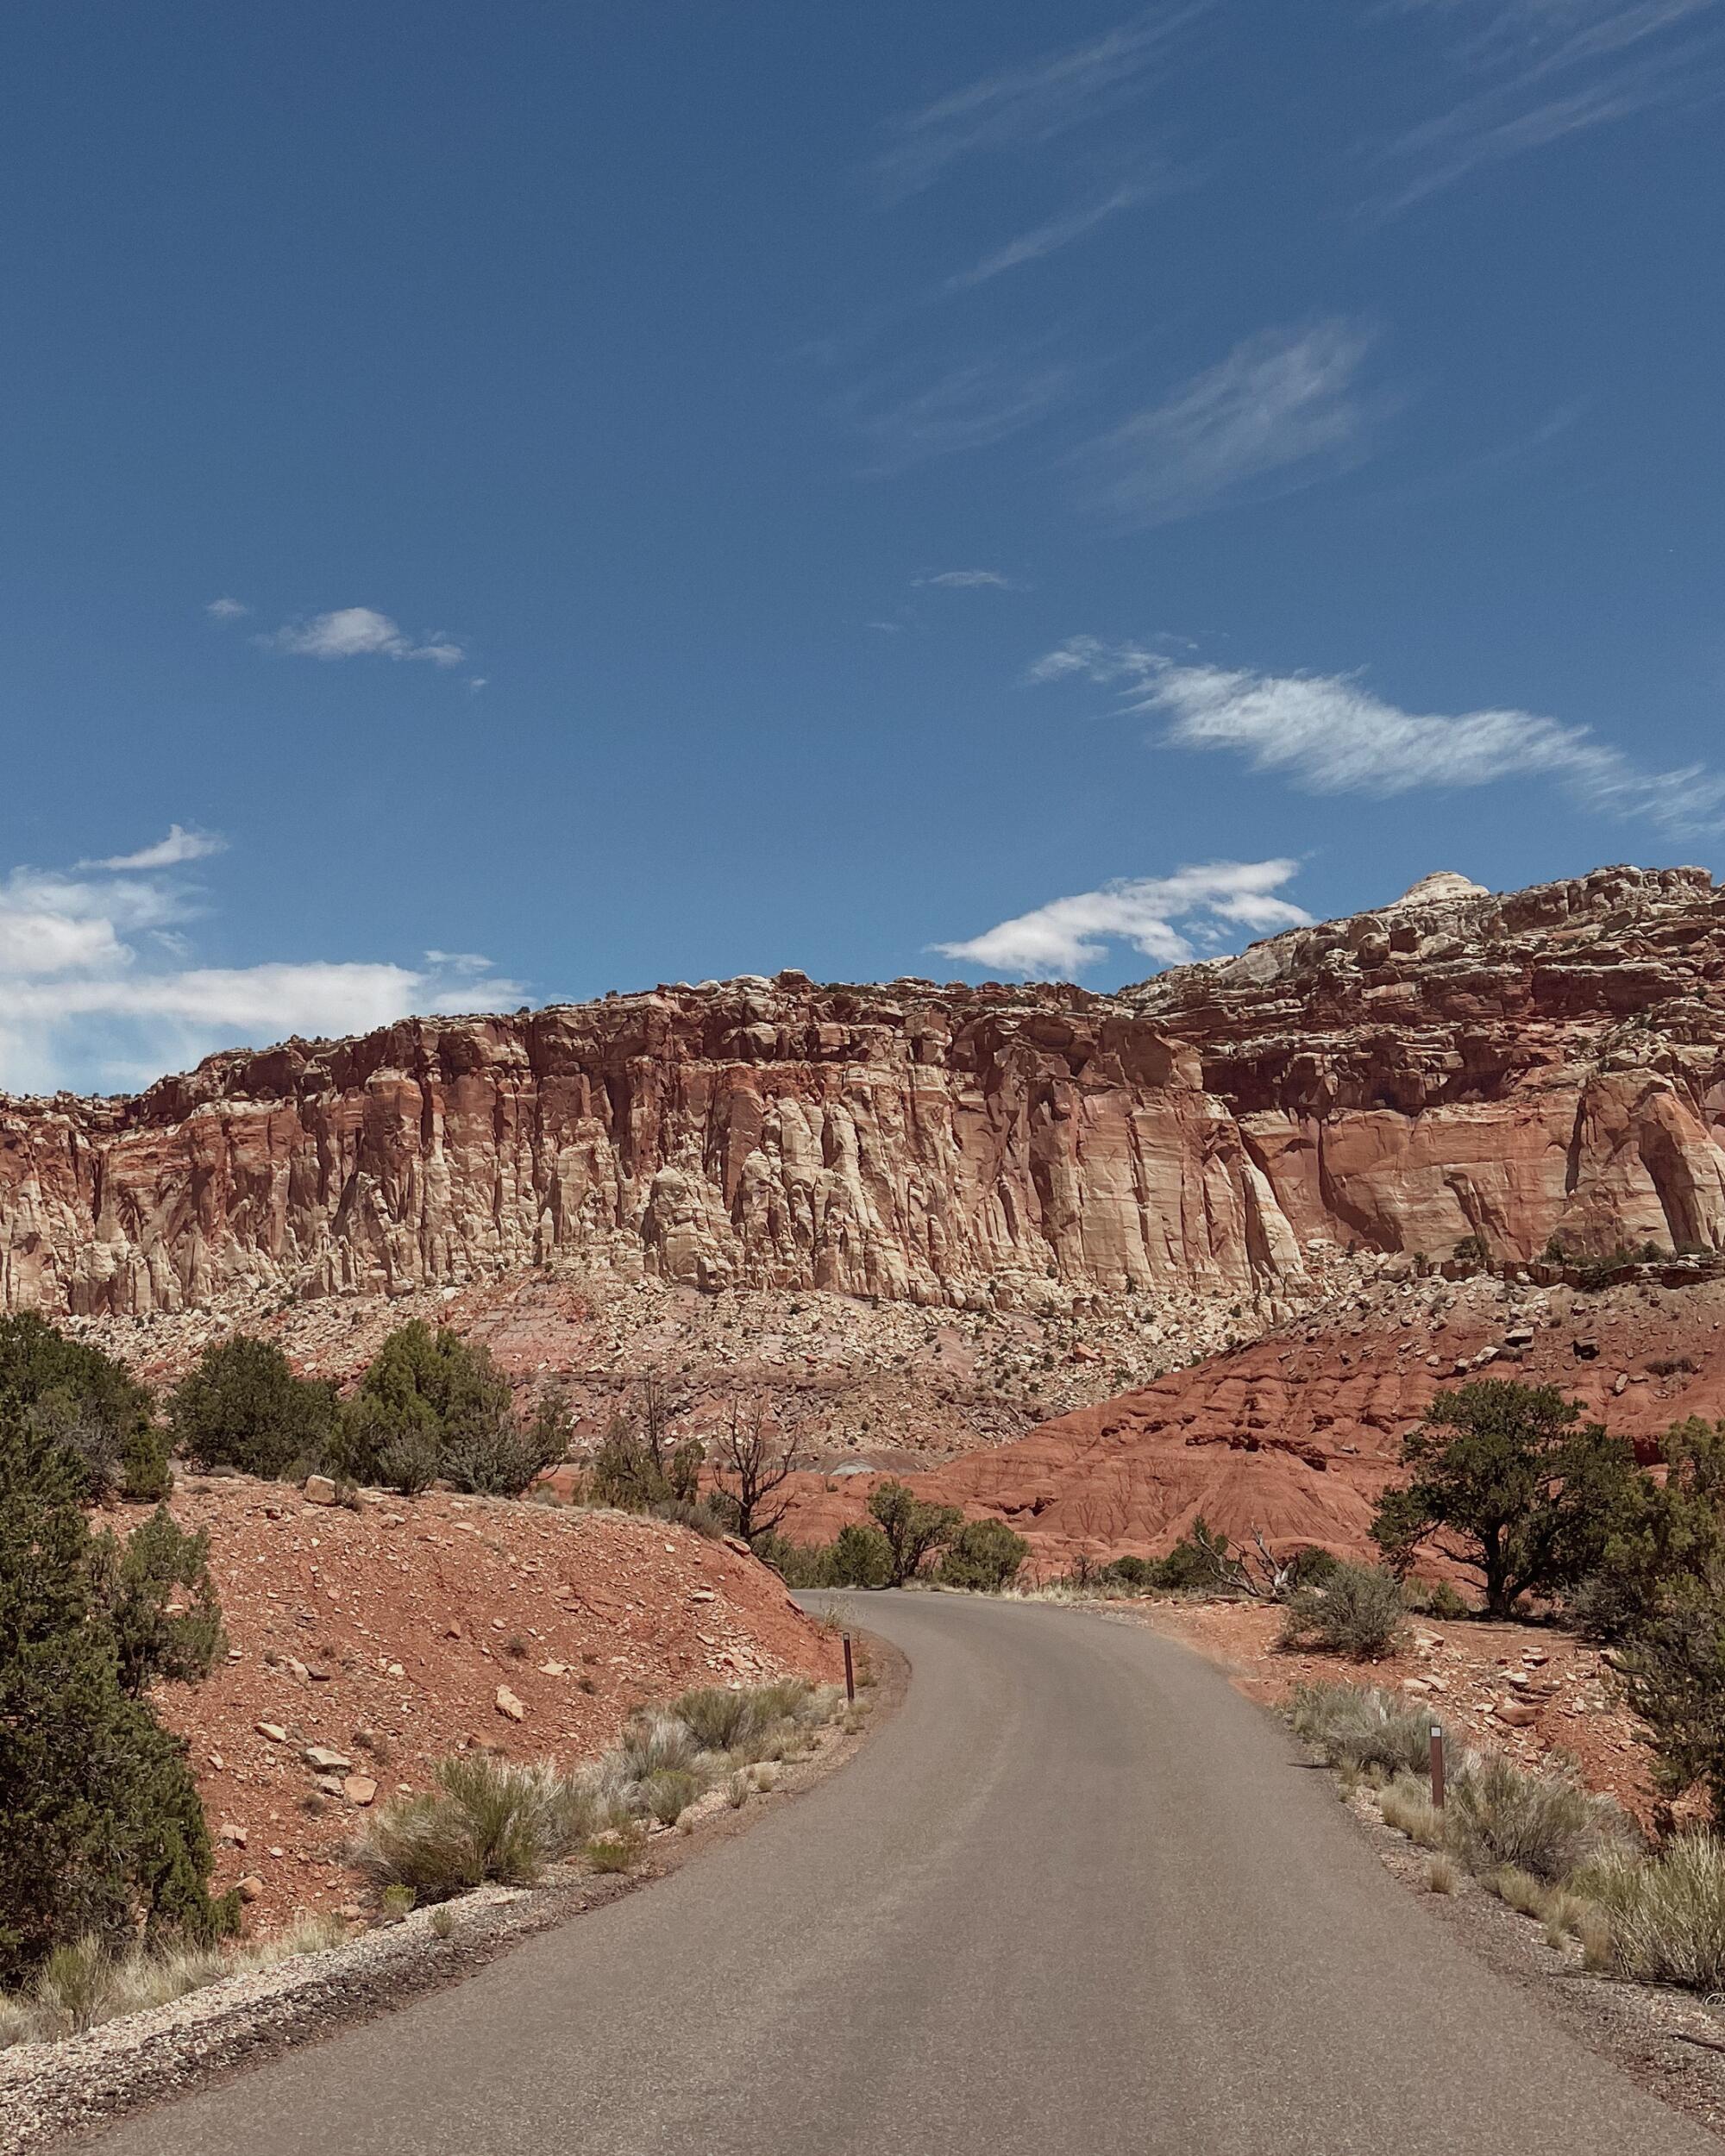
[
  {"x": 1257, "y": 1573},
  {"x": 755, "y": 1455}
]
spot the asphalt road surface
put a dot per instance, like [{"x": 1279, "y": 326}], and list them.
[{"x": 1075, "y": 1897}]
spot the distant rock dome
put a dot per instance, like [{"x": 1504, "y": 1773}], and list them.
[{"x": 1441, "y": 887}]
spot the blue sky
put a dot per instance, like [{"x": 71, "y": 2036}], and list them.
[{"x": 504, "y": 503}]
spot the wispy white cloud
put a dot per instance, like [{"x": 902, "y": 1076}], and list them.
[
  {"x": 968, "y": 580},
  {"x": 227, "y": 608},
  {"x": 1166, "y": 919},
  {"x": 1552, "y": 69},
  {"x": 358, "y": 632},
  {"x": 87, "y": 1001},
  {"x": 1284, "y": 409},
  {"x": 969, "y": 407},
  {"x": 1329, "y": 734},
  {"x": 1049, "y": 237},
  {"x": 1022, "y": 108},
  {"x": 180, "y": 845}
]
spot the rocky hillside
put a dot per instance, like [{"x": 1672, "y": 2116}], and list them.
[
  {"x": 1455, "y": 1064},
  {"x": 365, "y": 1646},
  {"x": 1296, "y": 1435}
]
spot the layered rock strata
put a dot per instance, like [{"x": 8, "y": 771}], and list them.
[{"x": 1457, "y": 1065}]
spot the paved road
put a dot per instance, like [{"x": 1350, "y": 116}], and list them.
[{"x": 1077, "y": 1897}]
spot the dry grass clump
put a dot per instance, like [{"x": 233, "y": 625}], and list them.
[
  {"x": 490, "y": 1819},
  {"x": 718, "y": 1720},
  {"x": 1520, "y": 1889},
  {"x": 1544, "y": 1824},
  {"x": 619, "y": 1849},
  {"x": 1407, "y": 1805},
  {"x": 1354, "y": 1609},
  {"x": 1663, "y": 1916},
  {"x": 1541, "y": 1843},
  {"x": 84, "y": 1983},
  {"x": 486, "y": 1818},
  {"x": 669, "y": 1793},
  {"x": 1356, "y": 1727},
  {"x": 658, "y": 1742}
]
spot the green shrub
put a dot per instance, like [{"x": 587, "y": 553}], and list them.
[
  {"x": 487, "y": 1819},
  {"x": 158, "y": 1634},
  {"x": 1356, "y": 1609},
  {"x": 984, "y": 1556},
  {"x": 1360, "y": 1728},
  {"x": 719, "y": 1720},
  {"x": 669, "y": 1793},
  {"x": 1544, "y": 1824},
  {"x": 434, "y": 1407},
  {"x": 100, "y": 1824},
  {"x": 501, "y": 1459},
  {"x": 86, "y": 1404},
  {"x": 858, "y": 1555},
  {"x": 1676, "y": 1669},
  {"x": 619, "y": 1849},
  {"x": 1201, "y": 1561},
  {"x": 242, "y": 1407},
  {"x": 862, "y": 1557},
  {"x": 912, "y": 1527},
  {"x": 1524, "y": 1493},
  {"x": 636, "y": 1465},
  {"x": 1664, "y": 1914}
]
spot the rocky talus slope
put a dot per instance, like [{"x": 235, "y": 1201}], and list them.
[{"x": 1454, "y": 1064}]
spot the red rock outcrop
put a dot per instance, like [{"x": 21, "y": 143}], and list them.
[
  {"x": 1297, "y": 1434},
  {"x": 1454, "y": 1065}
]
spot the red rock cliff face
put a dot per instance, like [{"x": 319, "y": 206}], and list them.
[{"x": 1549, "y": 1062}]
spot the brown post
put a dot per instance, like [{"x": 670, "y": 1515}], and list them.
[
  {"x": 1437, "y": 1766},
  {"x": 849, "y": 1673}
]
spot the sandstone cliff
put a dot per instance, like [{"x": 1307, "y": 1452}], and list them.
[{"x": 1457, "y": 1064}]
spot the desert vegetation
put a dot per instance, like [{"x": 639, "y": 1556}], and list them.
[
  {"x": 87, "y": 1405},
  {"x": 103, "y": 1838},
  {"x": 429, "y": 1407},
  {"x": 488, "y": 1819},
  {"x": 1535, "y": 1838},
  {"x": 1506, "y": 1483},
  {"x": 904, "y": 1538}
]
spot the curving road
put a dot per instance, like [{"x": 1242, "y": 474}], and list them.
[{"x": 1077, "y": 1897}]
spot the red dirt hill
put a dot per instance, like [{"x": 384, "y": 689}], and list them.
[
  {"x": 383, "y": 1635},
  {"x": 1297, "y": 1434}
]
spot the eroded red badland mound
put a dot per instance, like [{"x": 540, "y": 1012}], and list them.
[{"x": 1297, "y": 1435}]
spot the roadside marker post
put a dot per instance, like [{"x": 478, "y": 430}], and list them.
[
  {"x": 849, "y": 1674},
  {"x": 1437, "y": 1766}
]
